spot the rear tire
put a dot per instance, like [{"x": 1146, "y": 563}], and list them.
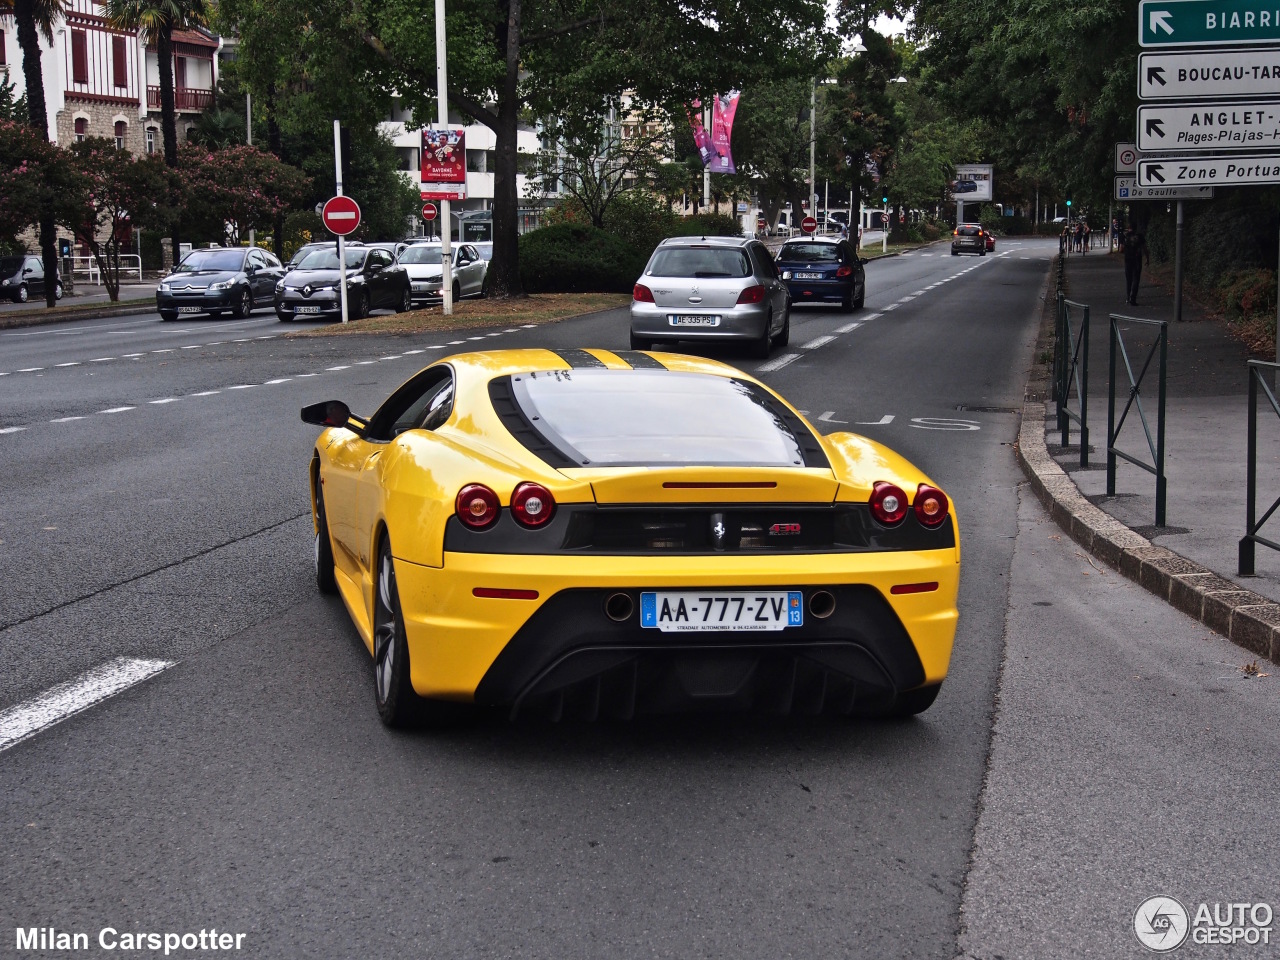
[
  {"x": 639, "y": 343},
  {"x": 861, "y": 298},
  {"x": 57, "y": 291},
  {"x": 761, "y": 348},
  {"x": 23, "y": 294},
  {"x": 326, "y": 580},
  {"x": 784, "y": 336}
]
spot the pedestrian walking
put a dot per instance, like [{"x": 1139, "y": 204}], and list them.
[
  {"x": 1135, "y": 255},
  {"x": 1064, "y": 240},
  {"x": 1087, "y": 237}
]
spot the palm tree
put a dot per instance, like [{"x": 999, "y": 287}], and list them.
[
  {"x": 157, "y": 20},
  {"x": 32, "y": 17}
]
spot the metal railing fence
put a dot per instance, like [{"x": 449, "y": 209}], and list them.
[{"x": 1159, "y": 347}]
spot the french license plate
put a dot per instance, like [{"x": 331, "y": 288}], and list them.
[
  {"x": 808, "y": 276},
  {"x": 698, "y": 610},
  {"x": 307, "y": 309},
  {"x": 694, "y": 320},
  {"x": 191, "y": 309}
]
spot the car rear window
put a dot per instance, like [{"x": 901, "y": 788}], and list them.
[
  {"x": 970, "y": 231},
  {"x": 810, "y": 252},
  {"x": 616, "y": 418},
  {"x": 700, "y": 262}
]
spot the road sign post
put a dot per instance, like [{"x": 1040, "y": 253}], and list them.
[{"x": 341, "y": 216}]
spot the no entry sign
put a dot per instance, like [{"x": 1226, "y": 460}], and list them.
[
  {"x": 428, "y": 212},
  {"x": 341, "y": 215},
  {"x": 808, "y": 224}
]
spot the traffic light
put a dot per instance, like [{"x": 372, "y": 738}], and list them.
[{"x": 885, "y": 201}]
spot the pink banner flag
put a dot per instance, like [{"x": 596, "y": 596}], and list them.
[
  {"x": 701, "y": 139},
  {"x": 722, "y": 111}
]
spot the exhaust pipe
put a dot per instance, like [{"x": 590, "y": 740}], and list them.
[
  {"x": 619, "y": 607},
  {"x": 822, "y": 604}
]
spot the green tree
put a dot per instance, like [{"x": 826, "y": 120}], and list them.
[
  {"x": 237, "y": 189},
  {"x": 157, "y": 20},
  {"x": 12, "y": 107},
  {"x": 509, "y": 57},
  {"x": 34, "y": 17}
]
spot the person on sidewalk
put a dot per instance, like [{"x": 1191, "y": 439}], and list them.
[
  {"x": 1087, "y": 236},
  {"x": 1135, "y": 254}
]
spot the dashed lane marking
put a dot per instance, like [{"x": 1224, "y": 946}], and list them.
[
  {"x": 164, "y": 400},
  {"x": 12, "y": 429},
  {"x": 66, "y": 419},
  {"x": 277, "y": 380},
  {"x": 117, "y": 409},
  {"x": 206, "y": 393},
  {"x": 817, "y": 342},
  {"x": 849, "y": 327},
  {"x": 67, "y": 699},
  {"x": 335, "y": 369},
  {"x": 31, "y": 370},
  {"x": 73, "y": 363},
  {"x": 778, "y": 362}
]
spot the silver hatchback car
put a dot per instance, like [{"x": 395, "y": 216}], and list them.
[{"x": 711, "y": 288}]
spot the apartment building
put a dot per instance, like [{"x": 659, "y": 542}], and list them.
[{"x": 104, "y": 82}]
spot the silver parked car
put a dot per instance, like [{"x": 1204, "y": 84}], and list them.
[
  {"x": 711, "y": 288},
  {"x": 423, "y": 261}
]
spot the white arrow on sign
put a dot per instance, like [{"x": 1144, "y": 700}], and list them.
[{"x": 1160, "y": 18}]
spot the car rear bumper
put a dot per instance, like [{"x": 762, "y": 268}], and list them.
[
  {"x": 825, "y": 291},
  {"x": 520, "y": 653},
  {"x": 739, "y": 322}
]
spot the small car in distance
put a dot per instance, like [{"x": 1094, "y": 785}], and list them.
[
  {"x": 423, "y": 262},
  {"x": 823, "y": 270},
  {"x": 968, "y": 238},
  {"x": 22, "y": 277},
  {"x": 374, "y": 281},
  {"x": 711, "y": 288},
  {"x": 214, "y": 281},
  {"x": 596, "y": 533}
]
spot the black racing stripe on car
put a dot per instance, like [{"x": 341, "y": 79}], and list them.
[
  {"x": 580, "y": 359},
  {"x": 502, "y": 397},
  {"x": 639, "y": 360},
  {"x": 810, "y": 448}
]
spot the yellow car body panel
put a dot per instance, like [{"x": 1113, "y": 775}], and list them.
[{"x": 404, "y": 488}]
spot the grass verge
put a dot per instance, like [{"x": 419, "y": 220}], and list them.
[
  {"x": 469, "y": 314},
  {"x": 39, "y": 315}
]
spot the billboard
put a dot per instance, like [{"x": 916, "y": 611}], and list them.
[
  {"x": 973, "y": 182},
  {"x": 444, "y": 164}
]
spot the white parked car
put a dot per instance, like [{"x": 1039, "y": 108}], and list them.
[{"x": 423, "y": 261}]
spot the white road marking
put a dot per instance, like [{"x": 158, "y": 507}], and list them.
[
  {"x": 882, "y": 422},
  {"x": 409, "y": 353},
  {"x": 331, "y": 369},
  {"x": 528, "y": 326},
  {"x": 849, "y": 327},
  {"x": 165, "y": 400},
  {"x": 243, "y": 386},
  {"x": 130, "y": 356},
  {"x": 166, "y": 350},
  {"x": 31, "y": 370},
  {"x": 817, "y": 342},
  {"x": 473, "y": 338},
  {"x": 280, "y": 380},
  {"x": 67, "y": 699},
  {"x": 943, "y": 423},
  {"x": 454, "y": 343},
  {"x": 215, "y": 343},
  {"x": 308, "y": 375},
  {"x": 395, "y": 356},
  {"x": 364, "y": 363},
  {"x": 66, "y": 419},
  {"x": 512, "y": 330},
  {"x": 778, "y": 363},
  {"x": 194, "y": 346},
  {"x": 826, "y": 417},
  {"x": 117, "y": 409},
  {"x": 437, "y": 346},
  {"x": 12, "y": 429},
  {"x": 206, "y": 393},
  {"x": 101, "y": 359},
  {"x": 243, "y": 340},
  {"x": 73, "y": 363},
  {"x": 870, "y": 316},
  {"x": 892, "y": 306}
]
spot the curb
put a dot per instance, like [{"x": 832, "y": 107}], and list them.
[
  {"x": 72, "y": 312},
  {"x": 1245, "y": 618}
]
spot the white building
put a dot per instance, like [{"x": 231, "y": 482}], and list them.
[
  {"x": 103, "y": 82},
  {"x": 480, "y": 146}
]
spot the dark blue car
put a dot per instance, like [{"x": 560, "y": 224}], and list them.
[{"x": 823, "y": 270}]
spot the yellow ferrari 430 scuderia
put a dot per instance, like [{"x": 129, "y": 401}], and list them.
[{"x": 607, "y": 532}]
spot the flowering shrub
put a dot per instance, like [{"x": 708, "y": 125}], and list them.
[{"x": 241, "y": 188}]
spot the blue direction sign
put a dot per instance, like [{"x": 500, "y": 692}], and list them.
[{"x": 1202, "y": 23}]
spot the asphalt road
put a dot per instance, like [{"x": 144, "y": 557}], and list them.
[{"x": 155, "y": 506}]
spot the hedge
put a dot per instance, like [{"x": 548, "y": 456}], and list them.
[{"x": 572, "y": 258}]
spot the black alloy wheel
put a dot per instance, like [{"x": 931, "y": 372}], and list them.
[
  {"x": 406, "y": 301},
  {"x": 244, "y": 305},
  {"x": 360, "y": 308},
  {"x": 326, "y": 579}
]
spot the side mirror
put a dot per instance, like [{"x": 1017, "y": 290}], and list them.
[{"x": 327, "y": 413}]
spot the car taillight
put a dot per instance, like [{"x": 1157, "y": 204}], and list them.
[
  {"x": 753, "y": 294},
  {"x": 888, "y": 503},
  {"x": 642, "y": 294},
  {"x": 955, "y": 233},
  {"x": 532, "y": 505},
  {"x": 930, "y": 505},
  {"x": 477, "y": 506},
  {"x": 979, "y": 233},
  {"x": 845, "y": 272}
]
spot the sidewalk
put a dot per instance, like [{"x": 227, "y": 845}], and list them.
[
  {"x": 1206, "y": 435},
  {"x": 85, "y": 293}
]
